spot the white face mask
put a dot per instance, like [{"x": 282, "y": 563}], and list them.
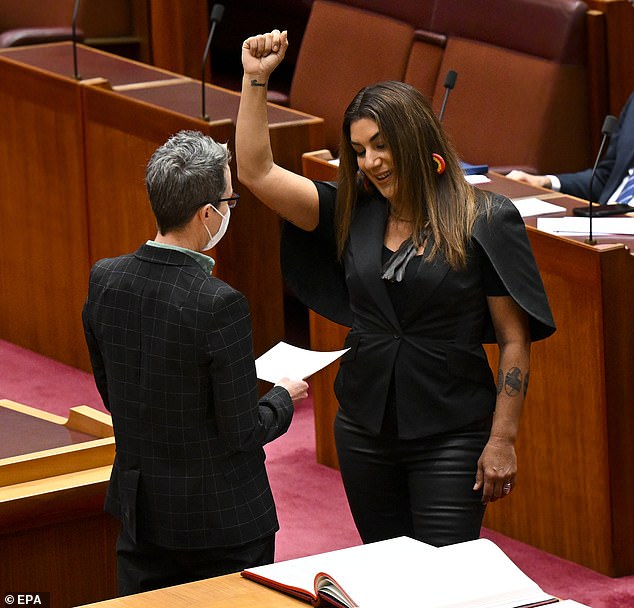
[{"x": 215, "y": 239}]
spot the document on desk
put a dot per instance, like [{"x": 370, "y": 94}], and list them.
[
  {"x": 535, "y": 206},
  {"x": 581, "y": 225},
  {"x": 287, "y": 361},
  {"x": 476, "y": 179}
]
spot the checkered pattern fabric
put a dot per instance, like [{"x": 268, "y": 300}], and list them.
[{"x": 171, "y": 351}]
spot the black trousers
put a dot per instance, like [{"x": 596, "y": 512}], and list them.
[
  {"x": 421, "y": 488},
  {"x": 143, "y": 566}
]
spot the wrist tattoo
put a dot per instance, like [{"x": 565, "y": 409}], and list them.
[
  {"x": 255, "y": 83},
  {"x": 513, "y": 382}
]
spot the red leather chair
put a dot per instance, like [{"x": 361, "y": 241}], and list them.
[
  {"x": 521, "y": 98},
  {"x": 23, "y": 23},
  {"x": 119, "y": 26}
]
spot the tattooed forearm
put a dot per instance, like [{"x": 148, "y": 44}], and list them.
[
  {"x": 512, "y": 381},
  {"x": 500, "y": 384}
]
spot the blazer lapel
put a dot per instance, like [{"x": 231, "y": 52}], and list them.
[
  {"x": 430, "y": 274},
  {"x": 366, "y": 242}
]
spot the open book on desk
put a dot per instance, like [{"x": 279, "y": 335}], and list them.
[{"x": 406, "y": 572}]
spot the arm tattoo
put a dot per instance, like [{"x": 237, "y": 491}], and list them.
[
  {"x": 513, "y": 382},
  {"x": 500, "y": 383},
  {"x": 255, "y": 83}
]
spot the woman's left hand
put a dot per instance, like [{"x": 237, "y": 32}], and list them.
[{"x": 497, "y": 469}]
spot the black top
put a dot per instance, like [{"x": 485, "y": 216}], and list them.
[{"x": 431, "y": 348}]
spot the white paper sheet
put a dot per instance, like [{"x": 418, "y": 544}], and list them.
[
  {"x": 477, "y": 179},
  {"x": 535, "y": 206},
  {"x": 287, "y": 361},
  {"x": 581, "y": 225}
]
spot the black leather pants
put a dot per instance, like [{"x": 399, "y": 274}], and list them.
[{"x": 420, "y": 488}]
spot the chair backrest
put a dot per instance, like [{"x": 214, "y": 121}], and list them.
[
  {"x": 512, "y": 109},
  {"x": 521, "y": 97},
  {"x": 97, "y": 19},
  {"x": 425, "y": 59},
  {"x": 343, "y": 50},
  {"x": 100, "y": 23}
]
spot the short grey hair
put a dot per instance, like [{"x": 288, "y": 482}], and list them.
[{"x": 185, "y": 173}]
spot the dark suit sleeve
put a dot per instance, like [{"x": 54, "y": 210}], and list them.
[
  {"x": 96, "y": 359},
  {"x": 243, "y": 422},
  {"x": 613, "y": 166}
]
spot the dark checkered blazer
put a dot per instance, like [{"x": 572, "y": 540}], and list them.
[{"x": 172, "y": 357}]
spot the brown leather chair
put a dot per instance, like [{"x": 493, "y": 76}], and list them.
[
  {"x": 424, "y": 61},
  {"x": 344, "y": 49},
  {"x": 521, "y": 98},
  {"x": 23, "y": 23},
  {"x": 118, "y": 25}
]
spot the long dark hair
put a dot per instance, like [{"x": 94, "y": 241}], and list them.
[{"x": 444, "y": 204}]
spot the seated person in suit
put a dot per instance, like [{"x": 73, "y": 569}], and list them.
[
  {"x": 172, "y": 356},
  {"x": 614, "y": 178}
]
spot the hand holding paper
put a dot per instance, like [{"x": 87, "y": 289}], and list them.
[
  {"x": 297, "y": 389},
  {"x": 286, "y": 361}
]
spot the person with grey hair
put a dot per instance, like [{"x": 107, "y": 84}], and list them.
[{"x": 171, "y": 351}]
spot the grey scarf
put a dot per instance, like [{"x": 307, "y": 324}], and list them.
[{"x": 394, "y": 268}]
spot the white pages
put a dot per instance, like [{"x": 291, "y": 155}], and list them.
[
  {"x": 406, "y": 572},
  {"x": 287, "y": 361}
]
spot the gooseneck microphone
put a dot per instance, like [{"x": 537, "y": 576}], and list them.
[
  {"x": 217, "y": 11},
  {"x": 74, "y": 35},
  {"x": 609, "y": 126},
  {"x": 450, "y": 83}
]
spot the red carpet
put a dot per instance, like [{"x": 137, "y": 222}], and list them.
[{"x": 312, "y": 508}]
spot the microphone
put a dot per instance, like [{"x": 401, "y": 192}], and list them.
[
  {"x": 74, "y": 34},
  {"x": 450, "y": 83},
  {"x": 217, "y": 11},
  {"x": 609, "y": 126}
]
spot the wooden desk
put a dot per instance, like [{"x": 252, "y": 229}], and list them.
[
  {"x": 54, "y": 535},
  {"x": 575, "y": 494},
  {"x": 44, "y": 251},
  {"x": 73, "y": 158},
  {"x": 229, "y": 591}
]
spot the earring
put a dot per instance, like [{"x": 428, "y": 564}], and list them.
[{"x": 440, "y": 163}]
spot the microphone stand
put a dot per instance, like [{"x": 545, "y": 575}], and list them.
[
  {"x": 217, "y": 11},
  {"x": 450, "y": 83},
  {"x": 609, "y": 125}
]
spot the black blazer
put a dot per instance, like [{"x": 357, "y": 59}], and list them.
[
  {"x": 434, "y": 356},
  {"x": 171, "y": 351},
  {"x": 618, "y": 159}
]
